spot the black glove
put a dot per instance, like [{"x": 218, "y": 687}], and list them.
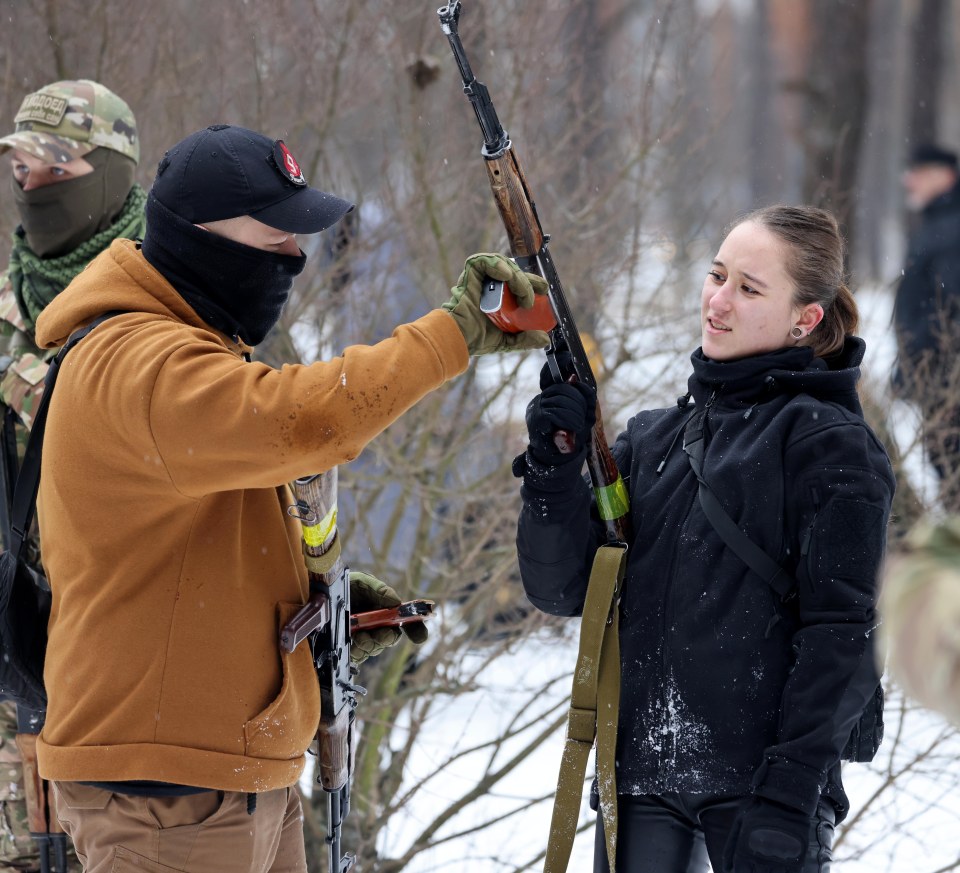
[
  {"x": 368, "y": 593},
  {"x": 563, "y": 406},
  {"x": 768, "y": 837}
]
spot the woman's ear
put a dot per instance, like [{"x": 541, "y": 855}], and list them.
[{"x": 810, "y": 316}]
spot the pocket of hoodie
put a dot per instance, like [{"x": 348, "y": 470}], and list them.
[{"x": 287, "y": 726}]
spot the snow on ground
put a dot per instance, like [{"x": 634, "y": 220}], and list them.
[{"x": 523, "y": 681}]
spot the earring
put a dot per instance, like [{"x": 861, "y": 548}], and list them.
[{"x": 796, "y": 332}]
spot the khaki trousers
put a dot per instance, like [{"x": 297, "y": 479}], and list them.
[{"x": 200, "y": 833}]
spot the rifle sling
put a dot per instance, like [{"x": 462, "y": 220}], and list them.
[
  {"x": 736, "y": 540},
  {"x": 594, "y": 709}
]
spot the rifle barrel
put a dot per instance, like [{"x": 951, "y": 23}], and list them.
[{"x": 528, "y": 245}]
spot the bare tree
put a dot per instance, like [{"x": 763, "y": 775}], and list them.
[
  {"x": 643, "y": 129},
  {"x": 926, "y": 31}
]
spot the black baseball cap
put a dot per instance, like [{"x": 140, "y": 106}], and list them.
[
  {"x": 928, "y": 153},
  {"x": 225, "y": 171}
]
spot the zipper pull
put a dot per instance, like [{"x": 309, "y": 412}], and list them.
[{"x": 808, "y": 531}]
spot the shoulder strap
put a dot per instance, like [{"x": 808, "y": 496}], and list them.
[
  {"x": 28, "y": 481},
  {"x": 739, "y": 543},
  {"x": 9, "y": 463}
]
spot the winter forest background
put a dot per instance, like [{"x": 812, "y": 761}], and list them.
[{"x": 644, "y": 127}]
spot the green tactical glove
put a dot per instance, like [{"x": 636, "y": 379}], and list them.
[
  {"x": 481, "y": 334},
  {"x": 366, "y": 594}
]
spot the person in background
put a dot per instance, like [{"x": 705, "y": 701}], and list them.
[
  {"x": 73, "y": 157},
  {"x": 176, "y": 742},
  {"x": 736, "y": 699},
  {"x": 926, "y": 314}
]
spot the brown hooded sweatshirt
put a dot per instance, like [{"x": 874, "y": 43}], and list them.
[{"x": 171, "y": 557}]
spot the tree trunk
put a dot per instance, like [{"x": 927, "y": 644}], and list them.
[{"x": 925, "y": 71}]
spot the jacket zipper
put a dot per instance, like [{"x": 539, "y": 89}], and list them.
[{"x": 807, "y": 536}]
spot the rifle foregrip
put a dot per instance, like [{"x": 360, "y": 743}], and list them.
[
  {"x": 333, "y": 742},
  {"x": 517, "y": 211}
]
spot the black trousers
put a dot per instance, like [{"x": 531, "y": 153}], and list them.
[{"x": 687, "y": 833}]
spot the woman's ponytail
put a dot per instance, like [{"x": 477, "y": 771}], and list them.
[{"x": 840, "y": 319}]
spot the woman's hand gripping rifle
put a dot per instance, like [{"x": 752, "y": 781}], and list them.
[{"x": 528, "y": 245}]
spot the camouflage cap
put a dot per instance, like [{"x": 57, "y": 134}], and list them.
[{"x": 67, "y": 119}]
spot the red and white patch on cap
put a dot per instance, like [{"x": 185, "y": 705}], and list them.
[{"x": 287, "y": 163}]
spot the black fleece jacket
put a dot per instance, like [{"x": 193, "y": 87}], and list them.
[{"x": 724, "y": 687}]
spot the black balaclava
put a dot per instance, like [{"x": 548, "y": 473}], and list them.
[
  {"x": 59, "y": 217},
  {"x": 237, "y": 289}
]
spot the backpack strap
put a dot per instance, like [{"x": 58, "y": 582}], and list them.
[
  {"x": 738, "y": 542},
  {"x": 9, "y": 463},
  {"x": 28, "y": 481}
]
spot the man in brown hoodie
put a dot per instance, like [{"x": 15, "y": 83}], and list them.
[{"x": 170, "y": 701}]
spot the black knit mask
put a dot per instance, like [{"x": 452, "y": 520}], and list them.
[{"x": 235, "y": 288}]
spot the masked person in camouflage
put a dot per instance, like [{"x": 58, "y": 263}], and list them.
[{"x": 73, "y": 155}]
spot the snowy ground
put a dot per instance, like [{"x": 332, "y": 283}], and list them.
[{"x": 903, "y": 829}]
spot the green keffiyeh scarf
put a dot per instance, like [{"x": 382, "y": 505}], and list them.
[{"x": 36, "y": 281}]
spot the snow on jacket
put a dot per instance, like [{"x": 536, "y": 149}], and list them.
[
  {"x": 171, "y": 557},
  {"x": 724, "y": 687}
]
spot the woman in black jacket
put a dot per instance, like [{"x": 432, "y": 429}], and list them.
[{"x": 735, "y": 702}]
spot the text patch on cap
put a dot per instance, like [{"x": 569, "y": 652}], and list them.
[
  {"x": 287, "y": 163},
  {"x": 41, "y": 108}
]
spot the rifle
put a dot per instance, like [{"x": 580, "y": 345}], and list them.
[
  {"x": 595, "y": 694},
  {"x": 529, "y": 247},
  {"x": 326, "y": 621}
]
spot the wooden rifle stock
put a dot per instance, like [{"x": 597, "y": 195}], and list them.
[
  {"x": 395, "y": 616},
  {"x": 529, "y": 247}
]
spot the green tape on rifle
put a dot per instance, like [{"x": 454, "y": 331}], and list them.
[{"x": 612, "y": 500}]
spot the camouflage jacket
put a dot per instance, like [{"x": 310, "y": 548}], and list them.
[{"x": 22, "y": 365}]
